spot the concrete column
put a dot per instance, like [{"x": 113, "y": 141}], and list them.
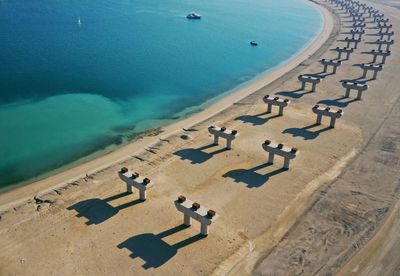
[
  {"x": 319, "y": 119},
  {"x": 216, "y": 139},
  {"x": 286, "y": 163},
  {"x": 142, "y": 195},
  {"x": 359, "y": 92},
  {"x": 325, "y": 68},
  {"x": 347, "y": 55},
  {"x": 133, "y": 180},
  {"x": 223, "y": 133},
  {"x": 365, "y": 73},
  {"x": 334, "y": 69},
  {"x": 271, "y": 158},
  {"x": 128, "y": 188},
  {"x": 280, "y": 110},
  {"x": 333, "y": 121},
  {"x": 228, "y": 143},
  {"x": 384, "y": 59},
  {"x": 280, "y": 103},
  {"x": 375, "y": 75},
  {"x": 269, "y": 108},
  {"x": 186, "y": 219},
  {"x": 347, "y": 93},
  {"x": 303, "y": 85},
  {"x": 339, "y": 55},
  {"x": 313, "y": 87},
  {"x": 204, "y": 229},
  {"x": 374, "y": 59}
]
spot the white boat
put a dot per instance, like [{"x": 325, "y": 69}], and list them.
[
  {"x": 193, "y": 15},
  {"x": 79, "y": 21}
]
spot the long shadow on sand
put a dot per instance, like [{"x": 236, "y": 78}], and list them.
[
  {"x": 251, "y": 177},
  {"x": 305, "y": 132},
  {"x": 361, "y": 79},
  {"x": 370, "y": 53},
  {"x": 198, "y": 156},
  {"x": 98, "y": 210},
  {"x": 153, "y": 250},
  {"x": 339, "y": 102},
  {"x": 324, "y": 74},
  {"x": 257, "y": 119},
  {"x": 295, "y": 94}
]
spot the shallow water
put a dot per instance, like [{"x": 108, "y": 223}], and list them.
[{"x": 68, "y": 90}]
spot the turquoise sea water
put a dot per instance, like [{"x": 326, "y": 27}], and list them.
[{"x": 68, "y": 90}]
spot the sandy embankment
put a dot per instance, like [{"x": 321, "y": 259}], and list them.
[
  {"x": 354, "y": 219},
  {"x": 90, "y": 226}
]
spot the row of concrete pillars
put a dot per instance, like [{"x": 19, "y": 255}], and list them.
[{"x": 205, "y": 216}]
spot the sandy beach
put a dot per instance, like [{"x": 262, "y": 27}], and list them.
[
  {"x": 334, "y": 212},
  {"x": 60, "y": 179}
]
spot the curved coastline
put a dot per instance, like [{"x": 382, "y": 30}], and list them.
[{"x": 17, "y": 195}]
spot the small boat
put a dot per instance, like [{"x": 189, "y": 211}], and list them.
[
  {"x": 79, "y": 21},
  {"x": 193, "y": 15},
  {"x": 254, "y": 43}
]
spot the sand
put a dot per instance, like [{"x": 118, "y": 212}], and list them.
[{"x": 312, "y": 219}]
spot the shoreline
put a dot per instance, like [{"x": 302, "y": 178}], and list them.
[
  {"x": 155, "y": 124},
  {"x": 20, "y": 193},
  {"x": 326, "y": 210},
  {"x": 185, "y": 114}
]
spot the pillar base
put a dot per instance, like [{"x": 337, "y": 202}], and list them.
[
  {"x": 186, "y": 220},
  {"x": 204, "y": 229}
]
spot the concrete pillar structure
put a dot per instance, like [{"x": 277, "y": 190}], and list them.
[
  {"x": 330, "y": 62},
  {"x": 378, "y": 16},
  {"x": 384, "y": 28},
  {"x": 387, "y": 34},
  {"x": 328, "y": 112},
  {"x": 186, "y": 219},
  {"x": 276, "y": 101},
  {"x": 358, "y": 19},
  {"x": 382, "y": 20},
  {"x": 355, "y": 8},
  {"x": 349, "y": 41},
  {"x": 222, "y": 132},
  {"x": 314, "y": 80},
  {"x": 345, "y": 50},
  {"x": 278, "y": 149},
  {"x": 383, "y": 54},
  {"x": 133, "y": 179},
  {"x": 371, "y": 67},
  {"x": 193, "y": 210},
  {"x": 372, "y": 13},
  {"x": 368, "y": 11},
  {"x": 359, "y": 26},
  {"x": 388, "y": 43},
  {"x": 357, "y": 33},
  {"x": 349, "y": 85}
]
